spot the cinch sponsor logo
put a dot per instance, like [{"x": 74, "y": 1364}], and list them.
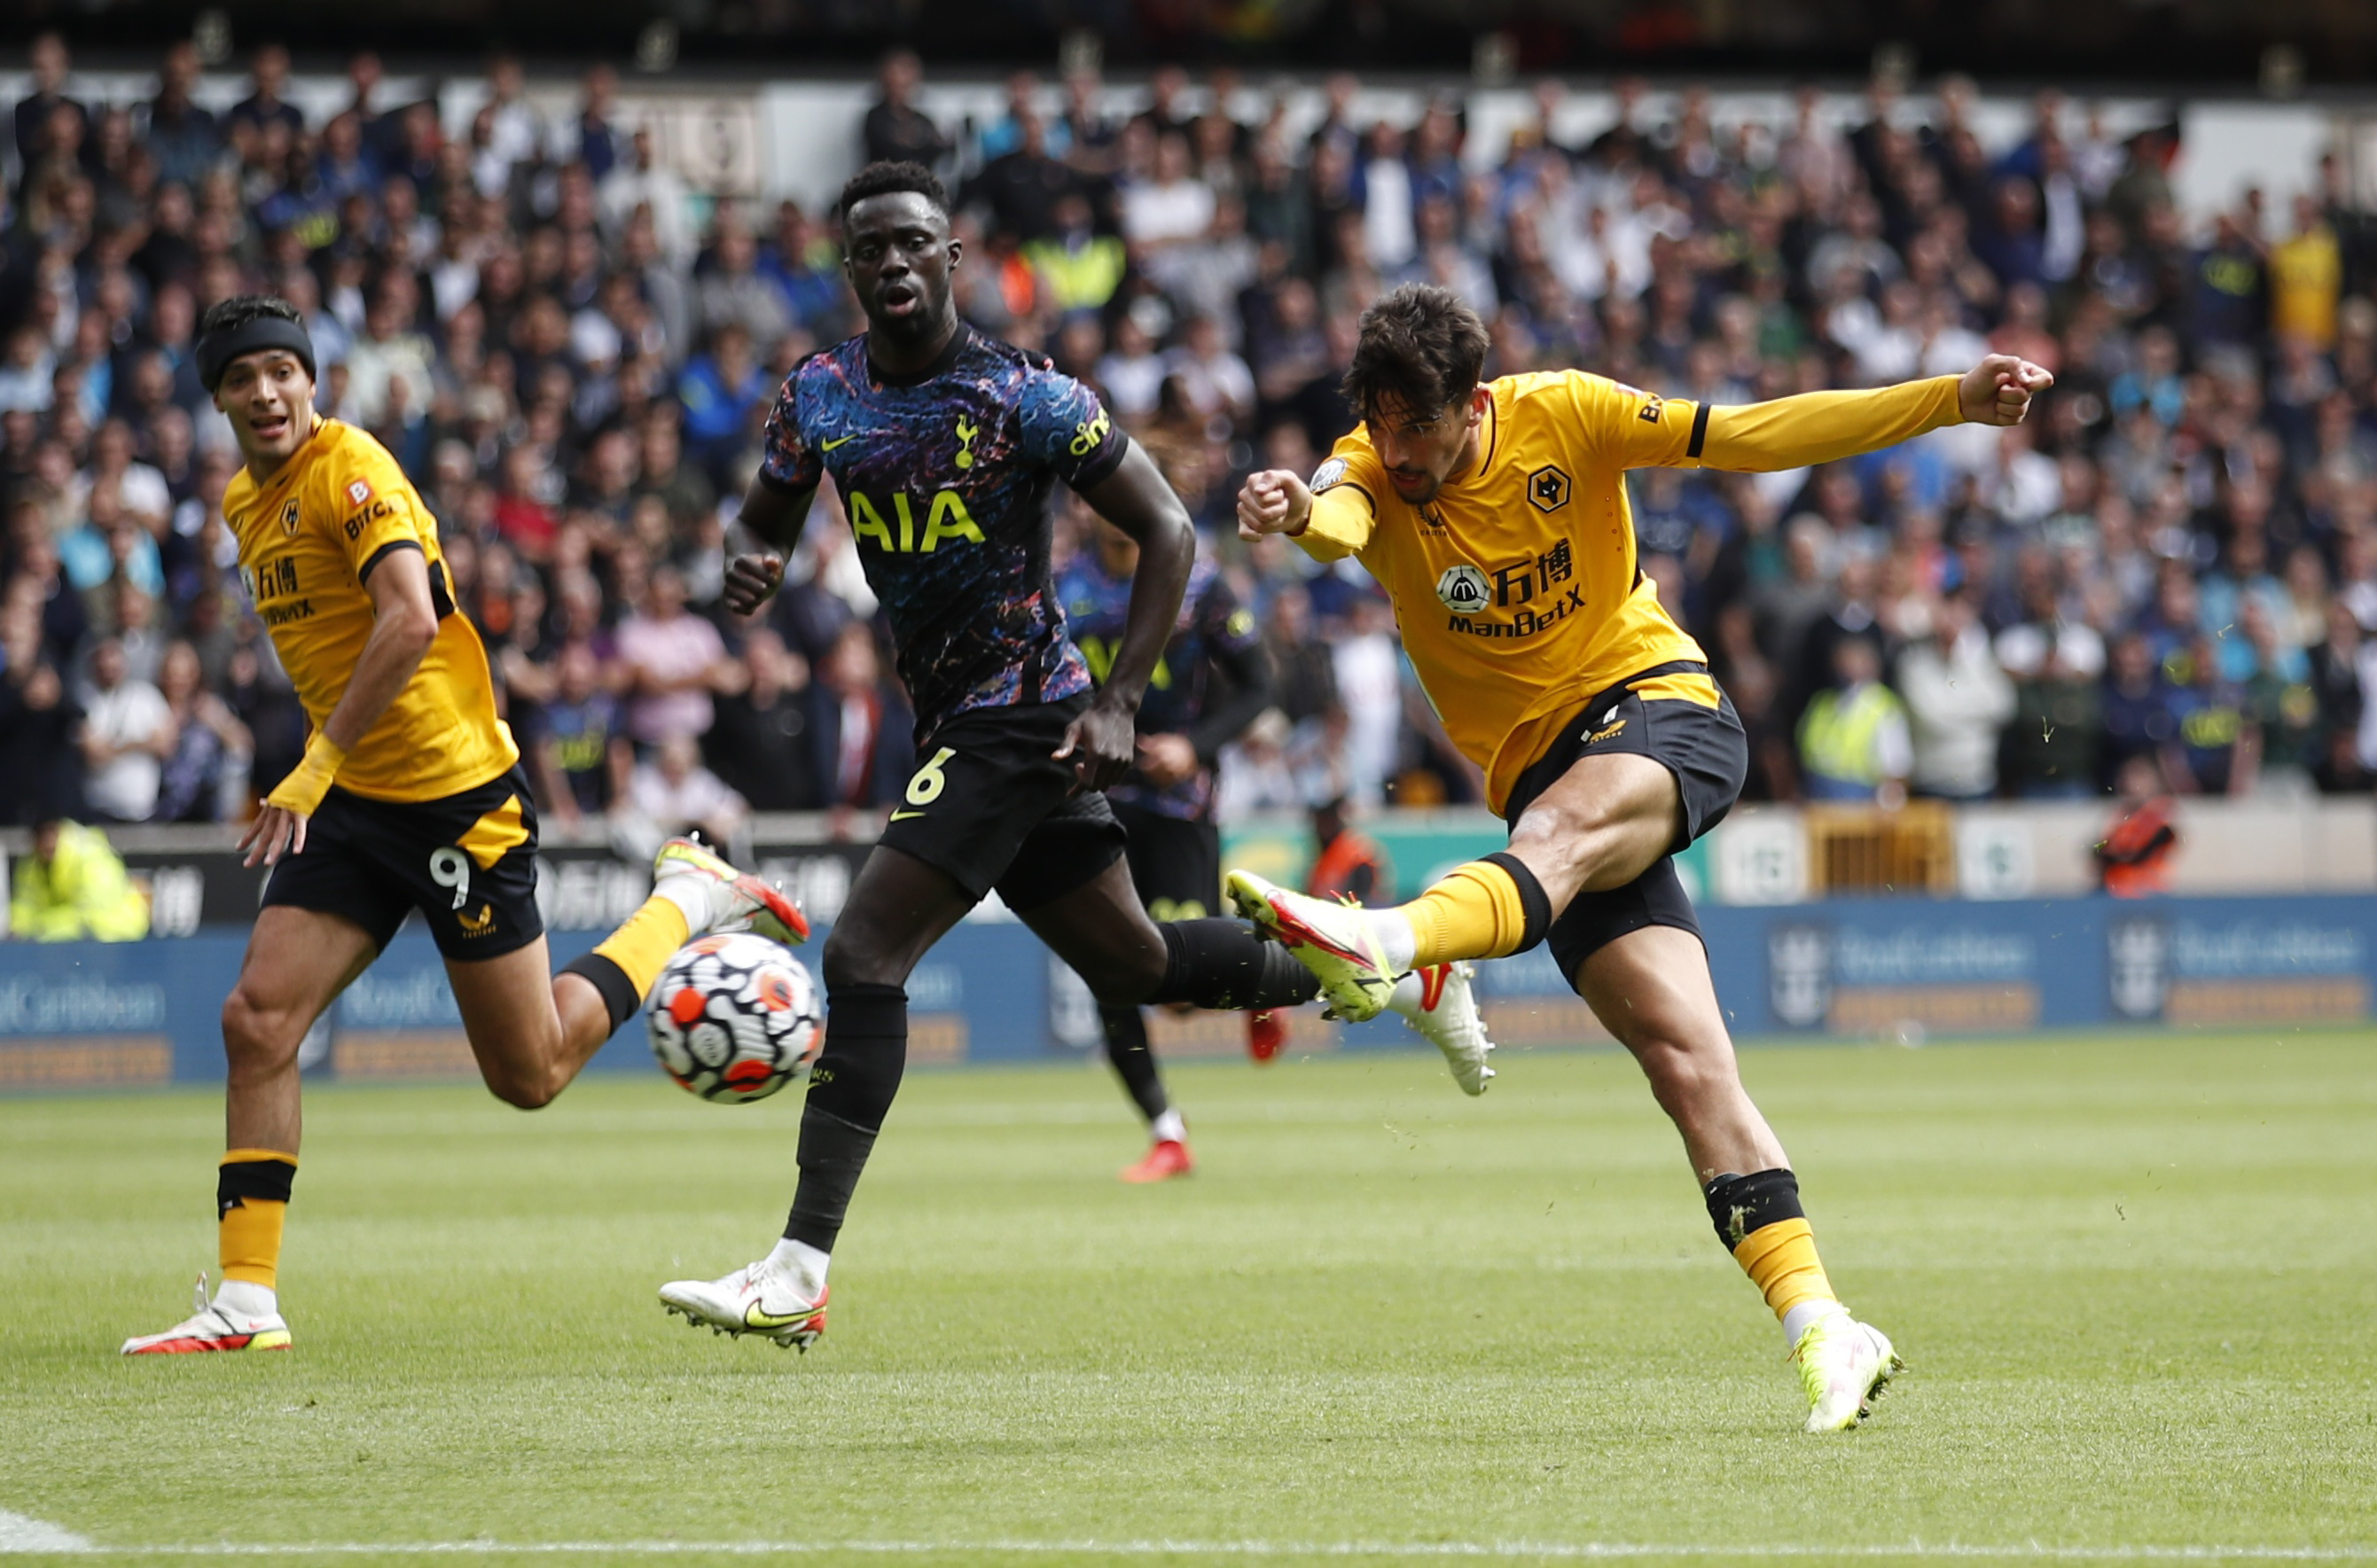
[
  {"x": 1525, "y": 624},
  {"x": 33, "y": 1006}
]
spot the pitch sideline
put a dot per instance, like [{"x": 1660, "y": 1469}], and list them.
[{"x": 21, "y": 1535}]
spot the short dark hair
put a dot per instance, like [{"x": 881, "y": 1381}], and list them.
[
  {"x": 1419, "y": 346},
  {"x": 885, "y": 178},
  {"x": 230, "y": 315}
]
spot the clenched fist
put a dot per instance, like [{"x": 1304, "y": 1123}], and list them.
[
  {"x": 1998, "y": 390},
  {"x": 750, "y": 580},
  {"x": 1273, "y": 501}
]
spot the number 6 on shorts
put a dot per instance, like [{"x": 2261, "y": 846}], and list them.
[{"x": 926, "y": 785}]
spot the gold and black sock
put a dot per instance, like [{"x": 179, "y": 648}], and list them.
[
  {"x": 1759, "y": 1219},
  {"x": 1489, "y": 908},
  {"x": 251, "y": 1203},
  {"x": 625, "y": 965}
]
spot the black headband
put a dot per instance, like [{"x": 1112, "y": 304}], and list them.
[{"x": 217, "y": 349}]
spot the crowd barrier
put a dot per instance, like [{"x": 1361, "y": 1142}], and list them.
[{"x": 94, "y": 1016}]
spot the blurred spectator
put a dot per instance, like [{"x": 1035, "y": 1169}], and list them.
[
  {"x": 859, "y": 726},
  {"x": 1957, "y": 700},
  {"x": 894, "y": 127},
  {"x": 671, "y": 662},
  {"x": 73, "y": 887},
  {"x": 1346, "y": 863},
  {"x": 581, "y": 757},
  {"x": 761, "y": 743},
  {"x": 2133, "y": 858},
  {"x": 672, "y": 792},
  {"x": 1854, "y": 739},
  {"x": 127, "y": 734},
  {"x": 205, "y": 778}
]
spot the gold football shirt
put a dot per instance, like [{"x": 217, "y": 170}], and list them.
[
  {"x": 1517, "y": 590},
  {"x": 308, "y": 539}
]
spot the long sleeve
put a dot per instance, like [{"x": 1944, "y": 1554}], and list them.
[
  {"x": 1822, "y": 427},
  {"x": 1344, "y": 501}
]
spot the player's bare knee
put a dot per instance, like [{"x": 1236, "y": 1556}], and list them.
[
  {"x": 523, "y": 1094},
  {"x": 850, "y": 958},
  {"x": 1681, "y": 1074},
  {"x": 258, "y": 1040}
]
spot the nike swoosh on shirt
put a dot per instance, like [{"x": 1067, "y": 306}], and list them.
[
  {"x": 837, "y": 441},
  {"x": 898, "y": 816}
]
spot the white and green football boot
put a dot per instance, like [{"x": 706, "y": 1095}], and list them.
[
  {"x": 760, "y": 1299},
  {"x": 1844, "y": 1365},
  {"x": 1339, "y": 943},
  {"x": 733, "y": 899}
]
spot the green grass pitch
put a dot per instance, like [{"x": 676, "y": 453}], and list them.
[{"x": 2136, "y": 1278}]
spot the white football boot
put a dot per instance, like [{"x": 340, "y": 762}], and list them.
[
  {"x": 716, "y": 896},
  {"x": 213, "y": 1327},
  {"x": 1438, "y": 1003},
  {"x": 760, "y": 1298},
  {"x": 1844, "y": 1365}
]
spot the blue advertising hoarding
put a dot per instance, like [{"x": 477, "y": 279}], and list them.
[{"x": 85, "y": 1015}]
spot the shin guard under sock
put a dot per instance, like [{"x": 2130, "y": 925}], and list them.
[
  {"x": 1759, "y": 1219},
  {"x": 251, "y": 1201},
  {"x": 850, "y": 1090},
  {"x": 1222, "y": 966}
]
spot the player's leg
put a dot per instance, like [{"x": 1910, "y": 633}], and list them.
[
  {"x": 469, "y": 864},
  {"x": 1170, "y": 872},
  {"x": 1636, "y": 956},
  {"x": 1638, "y": 771},
  {"x": 297, "y": 962},
  {"x": 1600, "y": 823},
  {"x": 897, "y": 908},
  {"x": 530, "y": 1028}
]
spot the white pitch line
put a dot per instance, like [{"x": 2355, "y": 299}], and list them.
[{"x": 22, "y": 1535}]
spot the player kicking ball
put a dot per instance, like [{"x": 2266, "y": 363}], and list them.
[
  {"x": 409, "y": 796},
  {"x": 944, "y": 445},
  {"x": 1495, "y": 515}
]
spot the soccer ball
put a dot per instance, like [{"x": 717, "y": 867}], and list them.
[{"x": 734, "y": 1018}]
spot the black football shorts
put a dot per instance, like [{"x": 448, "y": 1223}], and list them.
[
  {"x": 467, "y": 861},
  {"x": 1668, "y": 715},
  {"x": 1175, "y": 863},
  {"x": 990, "y": 804}
]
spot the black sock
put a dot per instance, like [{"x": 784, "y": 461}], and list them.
[
  {"x": 850, "y": 1090},
  {"x": 1739, "y": 1205},
  {"x": 1134, "y": 1064},
  {"x": 1221, "y": 965}
]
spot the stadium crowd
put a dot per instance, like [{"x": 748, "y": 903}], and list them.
[{"x": 2175, "y": 561}]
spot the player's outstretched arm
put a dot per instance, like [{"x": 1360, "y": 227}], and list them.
[
  {"x": 404, "y": 625},
  {"x": 774, "y": 517},
  {"x": 1136, "y": 499},
  {"x": 1823, "y": 427}
]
